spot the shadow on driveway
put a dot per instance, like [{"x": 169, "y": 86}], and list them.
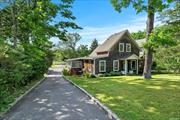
[{"x": 55, "y": 99}]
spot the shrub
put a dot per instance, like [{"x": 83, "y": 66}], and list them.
[
  {"x": 93, "y": 76},
  {"x": 66, "y": 72},
  {"x": 88, "y": 75},
  {"x": 100, "y": 75},
  {"x": 19, "y": 66},
  {"x": 112, "y": 73},
  {"x": 104, "y": 75}
]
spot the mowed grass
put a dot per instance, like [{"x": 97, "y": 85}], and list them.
[{"x": 133, "y": 98}]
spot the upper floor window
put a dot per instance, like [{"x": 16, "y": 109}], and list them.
[
  {"x": 121, "y": 47},
  {"x": 128, "y": 47}
]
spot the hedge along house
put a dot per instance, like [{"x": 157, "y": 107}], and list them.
[{"x": 119, "y": 53}]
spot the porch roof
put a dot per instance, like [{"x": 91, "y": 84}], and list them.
[
  {"x": 80, "y": 58},
  {"x": 129, "y": 57}
]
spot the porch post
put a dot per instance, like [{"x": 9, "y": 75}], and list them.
[
  {"x": 126, "y": 67},
  {"x": 137, "y": 67}
]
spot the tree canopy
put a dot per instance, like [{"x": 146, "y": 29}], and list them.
[
  {"x": 138, "y": 35},
  {"x": 94, "y": 45},
  {"x": 25, "y": 49},
  {"x": 150, "y": 7},
  {"x": 167, "y": 56}
]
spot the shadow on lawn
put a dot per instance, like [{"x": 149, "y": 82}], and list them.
[{"x": 132, "y": 97}]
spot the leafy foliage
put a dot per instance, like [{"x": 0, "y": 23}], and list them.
[
  {"x": 65, "y": 72},
  {"x": 167, "y": 56},
  {"x": 150, "y": 7},
  {"x": 161, "y": 36},
  {"x": 112, "y": 73},
  {"x": 68, "y": 49},
  {"x": 138, "y": 35},
  {"x": 83, "y": 50},
  {"x": 25, "y": 49},
  {"x": 88, "y": 75}
]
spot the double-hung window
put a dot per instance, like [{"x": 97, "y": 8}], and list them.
[
  {"x": 121, "y": 47},
  {"x": 116, "y": 65},
  {"x": 102, "y": 66},
  {"x": 128, "y": 47}
]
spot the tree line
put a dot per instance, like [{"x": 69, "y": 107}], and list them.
[{"x": 68, "y": 49}]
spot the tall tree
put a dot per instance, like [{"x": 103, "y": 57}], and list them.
[
  {"x": 168, "y": 57},
  {"x": 94, "y": 44},
  {"x": 67, "y": 48},
  {"x": 32, "y": 20},
  {"x": 83, "y": 50},
  {"x": 138, "y": 35},
  {"x": 150, "y": 7}
]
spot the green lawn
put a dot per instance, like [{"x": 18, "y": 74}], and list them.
[{"x": 133, "y": 98}]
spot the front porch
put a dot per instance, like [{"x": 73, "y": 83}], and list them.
[
  {"x": 79, "y": 65},
  {"x": 130, "y": 65}
]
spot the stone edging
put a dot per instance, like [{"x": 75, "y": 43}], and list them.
[
  {"x": 20, "y": 97},
  {"x": 111, "y": 115}
]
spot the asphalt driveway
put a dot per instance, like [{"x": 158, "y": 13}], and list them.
[{"x": 55, "y": 99}]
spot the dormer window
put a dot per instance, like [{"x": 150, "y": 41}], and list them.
[
  {"x": 121, "y": 47},
  {"x": 128, "y": 47}
]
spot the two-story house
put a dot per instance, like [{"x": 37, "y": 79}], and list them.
[{"x": 119, "y": 53}]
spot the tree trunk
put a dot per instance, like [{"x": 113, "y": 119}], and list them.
[
  {"x": 14, "y": 26},
  {"x": 149, "y": 50}
]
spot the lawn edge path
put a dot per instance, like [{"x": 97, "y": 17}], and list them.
[{"x": 111, "y": 115}]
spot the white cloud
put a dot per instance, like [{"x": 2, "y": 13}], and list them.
[{"x": 102, "y": 33}]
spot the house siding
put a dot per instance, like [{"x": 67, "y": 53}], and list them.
[{"x": 114, "y": 54}]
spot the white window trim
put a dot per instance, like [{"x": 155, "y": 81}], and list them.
[
  {"x": 119, "y": 47},
  {"x": 114, "y": 66},
  {"x": 104, "y": 66},
  {"x": 135, "y": 65},
  {"x": 127, "y": 47}
]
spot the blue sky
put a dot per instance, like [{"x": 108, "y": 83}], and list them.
[{"x": 99, "y": 20}]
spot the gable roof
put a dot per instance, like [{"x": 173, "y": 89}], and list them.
[{"x": 110, "y": 42}]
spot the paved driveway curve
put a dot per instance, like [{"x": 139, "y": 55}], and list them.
[{"x": 55, "y": 99}]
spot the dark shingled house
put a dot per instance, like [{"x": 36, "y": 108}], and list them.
[{"x": 119, "y": 53}]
